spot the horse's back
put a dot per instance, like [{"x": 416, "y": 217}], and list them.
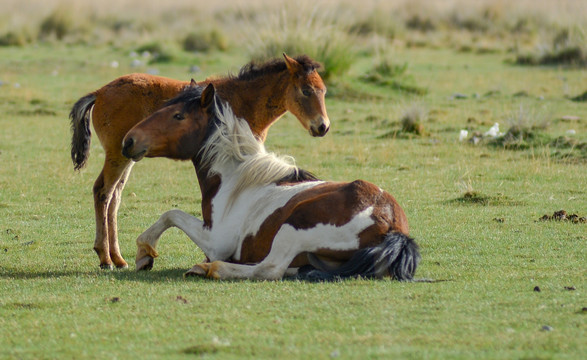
[
  {"x": 127, "y": 100},
  {"x": 337, "y": 203}
]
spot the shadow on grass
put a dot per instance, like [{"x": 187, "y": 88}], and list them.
[
  {"x": 165, "y": 275},
  {"x": 162, "y": 275}
]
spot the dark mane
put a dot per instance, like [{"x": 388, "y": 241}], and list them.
[
  {"x": 254, "y": 69},
  {"x": 298, "y": 176}
]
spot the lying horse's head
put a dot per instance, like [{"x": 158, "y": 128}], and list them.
[{"x": 177, "y": 130}]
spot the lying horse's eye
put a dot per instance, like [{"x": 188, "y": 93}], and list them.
[
  {"x": 178, "y": 116},
  {"x": 307, "y": 92}
]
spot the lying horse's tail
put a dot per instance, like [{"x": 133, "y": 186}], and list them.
[
  {"x": 80, "y": 127},
  {"x": 396, "y": 256}
]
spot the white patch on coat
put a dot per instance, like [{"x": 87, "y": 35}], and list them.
[
  {"x": 290, "y": 241},
  {"x": 248, "y": 212}
]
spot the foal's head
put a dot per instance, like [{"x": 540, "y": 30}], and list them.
[
  {"x": 305, "y": 95},
  {"x": 177, "y": 130}
]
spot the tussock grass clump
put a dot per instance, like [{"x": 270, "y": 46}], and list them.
[
  {"x": 16, "y": 38},
  {"x": 413, "y": 118},
  {"x": 521, "y": 137},
  {"x": 205, "y": 41},
  {"x": 376, "y": 22},
  {"x": 580, "y": 98},
  {"x": 568, "y": 47},
  {"x": 527, "y": 130},
  {"x": 569, "y": 149},
  {"x": 411, "y": 123},
  {"x": 477, "y": 198},
  {"x": 58, "y": 24},
  {"x": 394, "y": 76},
  {"x": 421, "y": 23},
  {"x": 317, "y": 32},
  {"x": 474, "y": 197},
  {"x": 159, "y": 53}
]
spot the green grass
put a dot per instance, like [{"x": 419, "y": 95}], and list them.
[{"x": 55, "y": 303}]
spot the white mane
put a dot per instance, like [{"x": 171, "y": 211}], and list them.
[{"x": 233, "y": 144}]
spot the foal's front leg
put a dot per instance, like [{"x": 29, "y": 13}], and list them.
[{"x": 190, "y": 225}]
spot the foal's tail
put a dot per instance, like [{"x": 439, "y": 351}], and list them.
[
  {"x": 80, "y": 128},
  {"x": 396, "y": 256}
]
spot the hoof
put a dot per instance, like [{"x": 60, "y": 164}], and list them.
[
  {"x": 119, "y": 262},
  {"x": 145, "y": 263},
  {"x": 196, "y": 271},
  {"x": 106, "y": 266}
]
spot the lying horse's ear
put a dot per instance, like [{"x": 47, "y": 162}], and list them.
[
  {"x": 207, "y": 96},
  {"x": 293, "y": 66},
  {"x": 193, "y": 83}
]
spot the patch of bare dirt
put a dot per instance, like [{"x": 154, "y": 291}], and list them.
[{"x": 562, "y": 215}]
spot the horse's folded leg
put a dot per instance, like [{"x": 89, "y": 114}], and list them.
[
  {"x": 145, "y": 263},
  {"x": 198, "y": 270},
  {"x": 211, "y": 270}
]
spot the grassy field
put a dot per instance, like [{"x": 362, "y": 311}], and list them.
[{"x": 508, "y": 285}]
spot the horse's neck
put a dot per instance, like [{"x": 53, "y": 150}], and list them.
[
  {"x": 211, "y": 182},
  {"x": 259, "y": 101},
  {"x": 209, "y": 186}
]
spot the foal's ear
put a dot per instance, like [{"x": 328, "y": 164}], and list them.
[
  {"x": 193, "y": 83},
  {"x": 207, "y": 96},
  {"x": 292, "y": 65}
]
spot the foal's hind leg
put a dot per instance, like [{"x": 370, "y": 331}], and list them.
[
  {"x": 103, "y": 190},
  {"x": 113, "y": 206}
]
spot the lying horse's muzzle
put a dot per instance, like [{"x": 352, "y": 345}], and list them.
[{"x": 130, "y": 151}]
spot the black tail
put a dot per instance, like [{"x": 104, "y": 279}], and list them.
[
  {"x": 397, "y": 256},
  {"x": 80, "y": 128}
]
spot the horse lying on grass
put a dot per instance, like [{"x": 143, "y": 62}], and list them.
[
  {"x": 263, "y": 217},
  {"x": 261, "y": 94}
]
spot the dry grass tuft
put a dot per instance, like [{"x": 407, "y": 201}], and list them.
[
  {"x": 567, "y": 46},
  {"x": 413, "y": 119},
  {"x": 316, "y": 31}
]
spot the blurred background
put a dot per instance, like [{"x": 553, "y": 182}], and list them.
[{"x": 334, "y": 32}]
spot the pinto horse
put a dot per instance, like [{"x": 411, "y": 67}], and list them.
[
  {"x": 260, "y": 94},
  {"x": 263, "y": 217}
]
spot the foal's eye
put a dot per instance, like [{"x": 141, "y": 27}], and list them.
[
  {"x": 178, "y": 116},
  {"x": 306, "y": 92}
]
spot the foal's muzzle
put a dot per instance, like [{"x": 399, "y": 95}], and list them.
[{"x": 321, "y": 128}]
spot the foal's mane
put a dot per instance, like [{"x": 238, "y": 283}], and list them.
[
  {"x": 250, "y": 71},
  {"x": 255, "y": 69},
  {"x": 232, "y": 142}
]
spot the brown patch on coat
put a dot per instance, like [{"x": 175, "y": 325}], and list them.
[{"x": 330, "y": 203}]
